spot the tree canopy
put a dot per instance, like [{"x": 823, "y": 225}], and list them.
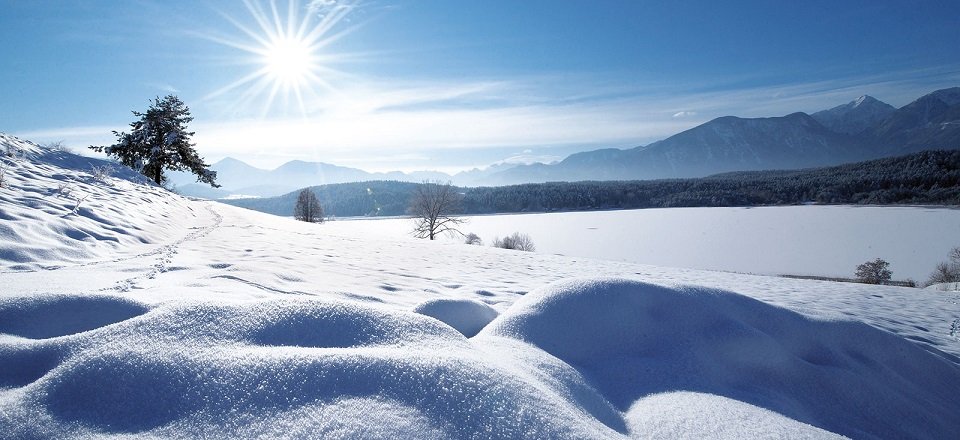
[{"x": 159, "y": 141}]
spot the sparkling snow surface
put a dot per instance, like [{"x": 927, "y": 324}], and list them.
[{"x": 180, "y": 319}]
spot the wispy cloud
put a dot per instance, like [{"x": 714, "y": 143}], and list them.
[{"x": 163, "y": 87}]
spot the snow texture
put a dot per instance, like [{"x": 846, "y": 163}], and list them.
[{"x": 192, "y": 319}]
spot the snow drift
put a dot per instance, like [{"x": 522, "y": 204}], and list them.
[
  {"x": 843, "y": 376},
  {"x": 579, "y": 359}
]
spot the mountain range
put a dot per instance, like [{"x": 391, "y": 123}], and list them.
[{"x": 863, "y": 129}]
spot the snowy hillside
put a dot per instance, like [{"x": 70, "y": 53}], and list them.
[
  {"x": 856, "y": 116},
  {"x": 143, "y": 314}
]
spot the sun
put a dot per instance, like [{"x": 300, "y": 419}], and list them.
[
  {"x": 289, "y": 52},
  {"x": 289, "y": 61}
]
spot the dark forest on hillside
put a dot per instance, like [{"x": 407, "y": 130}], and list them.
[{"x": 926, "y": 178}]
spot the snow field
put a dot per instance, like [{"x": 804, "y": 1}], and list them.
[
  {"x": 56, "y": 211},
  {"x": 216, "y": 322}
]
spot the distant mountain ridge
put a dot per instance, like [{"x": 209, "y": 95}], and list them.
[
  {"x": 863, "y": 129},
  {"x": 240, "y": 179}
]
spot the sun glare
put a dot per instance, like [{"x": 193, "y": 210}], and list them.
[
  {"x": 289, "y": 61},
  {"x": 289, "y": 54}
]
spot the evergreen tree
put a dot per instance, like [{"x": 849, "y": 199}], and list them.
[{"x": 159, "y": 141}]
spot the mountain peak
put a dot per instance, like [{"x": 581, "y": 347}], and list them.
[
  {"x": 230, "y": 162},
  {"x": 863, "y": 113},
  {"x": 863, "y": 99}
]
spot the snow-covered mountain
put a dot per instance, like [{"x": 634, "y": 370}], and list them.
[
  {"x": 238, "y": 178},
  {"x": 863, "y": 129},
  {"x": 933, "y": 121},
  {"x": 127, "y": 311},
  {"x": 723, "y": 144},
  {"x": 857, "y": 116}
]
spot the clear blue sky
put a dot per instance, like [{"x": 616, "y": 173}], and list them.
[{"x": 453, "y": 84}]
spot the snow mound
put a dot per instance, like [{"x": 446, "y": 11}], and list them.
[
  {"x": 635, "y": 339},
  {"x": 286, "y": 369},
  {"x": 57, "y": 208},
  {"x": 465, "y": 315},
  {"x": 685, "y": 414}
]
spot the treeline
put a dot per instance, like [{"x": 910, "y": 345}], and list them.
[{"x": 926, "y": 178}]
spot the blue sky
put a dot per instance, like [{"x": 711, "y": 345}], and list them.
[{"x": 454, "y": 84}]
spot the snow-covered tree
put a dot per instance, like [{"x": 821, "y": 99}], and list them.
[
  {"x": 308, "y": 208},
  {"x": 158, "y": 141}
]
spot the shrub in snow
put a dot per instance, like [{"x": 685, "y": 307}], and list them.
[
  {"x": 59, "y": 146},
  {"x": 948, "y": 271},
  {"x": 472, "y": 238},
  {"x": 516, "y": 241},
  {"x": 159, "y": 141},
  {"x": 63, "y": 189},
  {"x": 874, "y": 272},
  {"x": 101, "y": 172},
  {"x": 308, "y": 208}
]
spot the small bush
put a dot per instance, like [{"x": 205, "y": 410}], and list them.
[
  {"x": 515, "y": 241},
  {"x": 947, "y": 271},
  {"x": 59, "y": 146},
  {"x": 874, "y": 272},
  {"x": 101, "y": 173},
  {"x": 472, "y": 238},
  {"x": 63, "y": 189}
]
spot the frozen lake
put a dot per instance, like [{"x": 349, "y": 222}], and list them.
[{"x": 800, "y": 240}]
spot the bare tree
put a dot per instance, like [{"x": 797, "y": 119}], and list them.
[
  {"x": 308, "y": 208},
  {"x": 516, "y": 241},
  {"x": 432, "y": 208},
  {"x": 944, "y": 273},
  {"x": 947, "y": 272},
  {"x": 874, "y": 272}
]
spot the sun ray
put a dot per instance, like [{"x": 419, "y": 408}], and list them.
[
  {"x": 251, "y": 77},
  {"x": 288, "y": 48}
]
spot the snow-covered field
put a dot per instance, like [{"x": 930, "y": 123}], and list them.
[
  {"x": 142, "y": 314},
  {"x": 797, "y": 240}
]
